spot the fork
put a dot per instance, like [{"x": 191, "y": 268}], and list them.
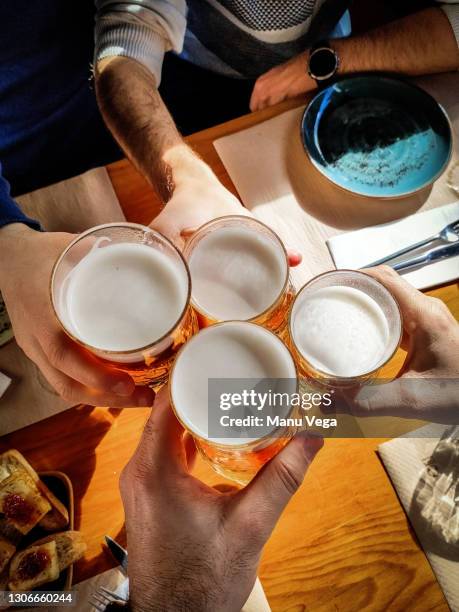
[
  {"x": 450, "y": 233},
  {"x": 101, "y": 598}
]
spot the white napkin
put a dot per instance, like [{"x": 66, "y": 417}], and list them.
[
  {"x": 357, "y": 249},
  {"x": 115, "y": 580},
  {"x": 404, "y": 460},
  {"x": 278, "y": 184}
]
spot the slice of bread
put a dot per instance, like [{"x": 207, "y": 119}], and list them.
[
  {"x": 34, "y": 566},
  {"x": 70, "y": 547},
  {"x": 58, "y": 517},
  {"x": 9, "y": 532},
  {"x": 21, "y": 503},
  {"x": 7, "y": 550}
]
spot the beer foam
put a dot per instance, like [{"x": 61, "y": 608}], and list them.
[
  {"x": 231, "y": 350},
  {"x": 341, "y": 331},
  {"x": 122, "y": 297},
  {"x": 237, "y": 273}
]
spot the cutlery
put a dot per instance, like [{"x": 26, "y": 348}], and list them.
[
  {"x": 119, "y": 553},
  {"x": 102, "y": 597},
  {"x": 449, "y": 234},
  {"x": 437, "y": 254}
]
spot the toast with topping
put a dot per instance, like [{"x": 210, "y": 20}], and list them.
[
  {"x": 34, "y": 566},
  {"x": 22, "y": 505},
  {"x": 58, "y": 517},
  {"x": 38, "y": 564}
]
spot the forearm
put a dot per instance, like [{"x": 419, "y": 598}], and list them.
[
  {"x": 136, "y": 115},
  {"x": 421, "y": 43}
]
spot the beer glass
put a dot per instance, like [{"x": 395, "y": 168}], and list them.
[
  {"x": 239, "y": 270},
  {"x": 344, "y": 328},
  {"x": 221, "y": 362},
  {"x": 122, "y": 292}
]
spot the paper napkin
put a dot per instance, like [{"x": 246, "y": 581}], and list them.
[
  {"x": 405, "y": 461},
  {"x": 357, "y": 249}
]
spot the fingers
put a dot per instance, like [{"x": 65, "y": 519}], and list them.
[
  {"x": 190, "y": 451},
  {"x": 76, "y": 393},
  {"x": 255, "y": 99},
  {"x": 168, "y": 229},
  {"x": 294, "y": 257},
  {"x": 264, "y": 499},
  {"x": 79, "y": 365},
  {"x": 161, "y": 449},
  {"x": 390, "y": 399},
  {"x": 421, "y": 313},
  {"x": 406, "y": 295},
  {"x": 410, "y": 396},
  {"x": 188, "y": 232}
]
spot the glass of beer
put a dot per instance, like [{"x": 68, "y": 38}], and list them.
[
  {"x": 122, "y": 292},
  {"x": 344, "y": 327},
  {"x": 239, "y": 270},
  {"x": 213, "y": 373}
]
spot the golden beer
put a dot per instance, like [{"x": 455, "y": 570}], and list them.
[
  {"x": 240, "y": 271},
  {"x": 246, "y": 357},
  {"x": 122, "y": 292},
  {"x": 344, "y": 328}
]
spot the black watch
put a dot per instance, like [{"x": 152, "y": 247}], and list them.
[{"x": 323, "y": 63}]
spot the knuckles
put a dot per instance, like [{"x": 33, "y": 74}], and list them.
[
  {"x": 55, "y": 351},
  {"x": 290, "y": 478},
  {"x": 441, "y": 314},
  {"x": 65, "y": 389}
]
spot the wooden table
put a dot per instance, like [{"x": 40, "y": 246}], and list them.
[{"x": 344, "y": 542}]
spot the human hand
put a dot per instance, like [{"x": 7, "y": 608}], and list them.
[
  {"x": 428, "y": 387},
  {"x": 192, "y": 547},
  {"x": 199, "y": 197},
  {"x": 285, "y": 81},
  {"x": 26, "y": 262}
]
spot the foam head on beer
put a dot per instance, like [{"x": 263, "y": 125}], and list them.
[
  {"x": 122, "y": 297},
  {"x": 238, "y": 270},
  {"x": 231, "y": 350},
  {"x": 343, "y": 330}
]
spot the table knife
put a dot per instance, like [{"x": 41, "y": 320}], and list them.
[
  {"x": 443, "y": 252},
  {"x": 119, "y": 553}
]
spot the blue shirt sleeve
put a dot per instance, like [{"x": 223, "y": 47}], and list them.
[{"x": 9, "y": 210}]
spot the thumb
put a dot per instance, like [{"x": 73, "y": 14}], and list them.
[{"x": 272, "y": 488}]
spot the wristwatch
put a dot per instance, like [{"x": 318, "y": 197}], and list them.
[{"x": 323, "y": 63}]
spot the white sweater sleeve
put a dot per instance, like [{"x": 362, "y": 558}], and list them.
[
  {"x": 141, "y": 29},
  {"x": 451, "y": 9}
]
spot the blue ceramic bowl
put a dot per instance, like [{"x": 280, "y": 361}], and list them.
[{"x": 377, "y": 136}]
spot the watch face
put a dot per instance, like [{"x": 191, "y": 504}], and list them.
[{"x": 323, "y": 63}]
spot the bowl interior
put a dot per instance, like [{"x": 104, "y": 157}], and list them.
[{"x": 377, "y": 136}]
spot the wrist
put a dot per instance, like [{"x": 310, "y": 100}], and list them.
[
  {"x": 12, "y": 237},
  {"x": 186, "y": 166}
]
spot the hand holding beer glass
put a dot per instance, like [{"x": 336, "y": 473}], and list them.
[
  {"x": 240, "y": 271},
  {"x": 121, "y": 291},
  {"x": 344, "y": 328},
  {"x": 245, "y": 358}
]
